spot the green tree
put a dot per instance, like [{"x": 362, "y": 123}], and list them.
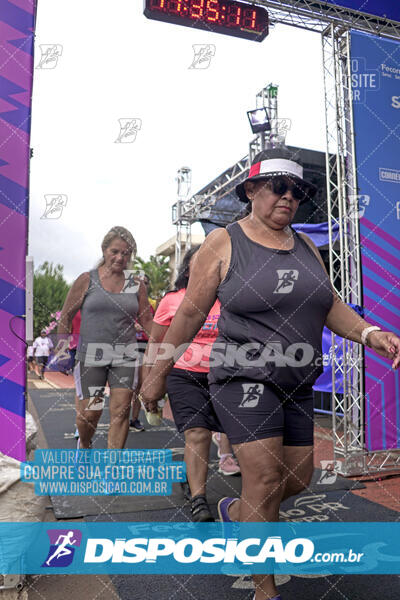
[
  {"x": 49, "y": 292},
  {"x": 158, "y": 271}
]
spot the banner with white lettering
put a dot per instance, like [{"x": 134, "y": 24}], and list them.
[
  {"x": 199, "y": 548},
  {"x": 375, "y": 77}
]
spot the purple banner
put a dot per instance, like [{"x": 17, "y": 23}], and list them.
[
  {"x": 324, "y": 381},
  {"x": 376, "y": 105},
  {"x": 16, "y": 68}
]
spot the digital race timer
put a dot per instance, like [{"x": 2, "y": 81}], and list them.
[{"x": 219, "y": 16}]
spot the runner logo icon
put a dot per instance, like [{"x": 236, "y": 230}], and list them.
[
  {"x": 128, "y": 129},
  {"x": 97, "y": 398},
  {"x": 55, "y": 204},
  {"x": 328, "y": 474},
  {"x": 203, "y": 54},
  {"x": 62, "y": 547},
  {"x": 251, "y": 394},
  {"x": 50, "y": 53},
  {"x": 287, "y": 278},
  {"x": 132, "y": 282}
]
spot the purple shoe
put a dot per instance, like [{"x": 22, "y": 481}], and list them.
[
  {"x": 278, "y": 597},
  {"x": 231, "y": 531},
  {"x": 223, "y": 506}
]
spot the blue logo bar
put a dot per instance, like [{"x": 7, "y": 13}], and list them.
[{"x": 200, "y": 548}]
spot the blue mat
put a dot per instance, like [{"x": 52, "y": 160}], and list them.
[{"x": 332, "y": 506}]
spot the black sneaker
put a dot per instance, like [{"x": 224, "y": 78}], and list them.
[
  {"x": 200, "y": 510},
  {"x": 136, "y": 425}
]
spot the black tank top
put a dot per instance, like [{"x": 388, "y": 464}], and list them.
[{"x": 274, "y": 305}]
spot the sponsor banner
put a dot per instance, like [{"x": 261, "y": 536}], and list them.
[
  {"x": 324, "y": 381},
  {"x": 376, "y": 107},
  {"x": 194, "y": 548},
  {"x": 16, "y": 67},
  {"x": 318, "y": 232},
  {"x": 103, "y": 472},
  {"x": 389, "y": 174},
  {"x": 388, "y": 9}
]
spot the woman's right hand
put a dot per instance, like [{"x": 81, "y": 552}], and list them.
[{"x": 151, "y": 391}]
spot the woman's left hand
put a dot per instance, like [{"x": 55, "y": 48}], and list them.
[
  {"x": 152, "y": 390},
  {"x": 386, "y": 344}
]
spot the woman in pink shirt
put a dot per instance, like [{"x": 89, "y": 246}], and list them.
[{"x": 189, "y": 396}]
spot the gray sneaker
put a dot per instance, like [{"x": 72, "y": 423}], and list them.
[{"x": 136, "y": 425}]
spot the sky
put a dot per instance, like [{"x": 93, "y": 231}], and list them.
[{"x": 113, "y": 64}]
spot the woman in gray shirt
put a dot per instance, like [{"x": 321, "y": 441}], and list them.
[{"x": 110, "y": 299}]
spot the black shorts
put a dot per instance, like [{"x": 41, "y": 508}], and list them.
[
  {"x": 252, "y": 410},
  {"x": 190, "y": 402},
  {"x": 42, "y": 360}
]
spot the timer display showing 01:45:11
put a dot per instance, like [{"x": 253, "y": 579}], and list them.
[{"x": 225, "y": 13}]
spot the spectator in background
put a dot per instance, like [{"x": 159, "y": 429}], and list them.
[
  {"x": 147, "y": 283},
  {"x": 74, "y": 338},
  {"x": 142, "y": 338},
  {"x": 189, "y": 395},
  {"x": 73, "y": 344},
  {"x": 41, "y": 351},
  {"x": 31, "y": 360}
]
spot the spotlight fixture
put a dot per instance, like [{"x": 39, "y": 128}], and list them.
[{"x": 259, "y": 120}]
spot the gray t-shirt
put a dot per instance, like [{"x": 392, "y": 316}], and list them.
[{"x": 108, "y": 324}]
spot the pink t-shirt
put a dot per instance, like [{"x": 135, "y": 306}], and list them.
[{"x": 197, "y": 356}]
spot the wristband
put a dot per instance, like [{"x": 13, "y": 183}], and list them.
[{"x": 367, "y": 331}]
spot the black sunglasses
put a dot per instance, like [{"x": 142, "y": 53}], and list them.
[{"x": 280, "y": 184}]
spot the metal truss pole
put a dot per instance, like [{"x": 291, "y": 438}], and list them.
[
  {"x": 348, "y": 405},
  {"x": 183, "y": 226},
  {"x": 317, "y": 16},
  {"x": 355, "y": 371},
  {"x": 266, "y": 98}
]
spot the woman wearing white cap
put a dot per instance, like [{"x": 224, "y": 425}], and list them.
[{"x": 275, "y": 299}]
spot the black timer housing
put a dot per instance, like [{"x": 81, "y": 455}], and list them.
[{"x": 230, "y": 17}]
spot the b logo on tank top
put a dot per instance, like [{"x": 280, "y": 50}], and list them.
[
  {"x": 287, "y": 279},
  {"x": 251, "y": 394}
]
